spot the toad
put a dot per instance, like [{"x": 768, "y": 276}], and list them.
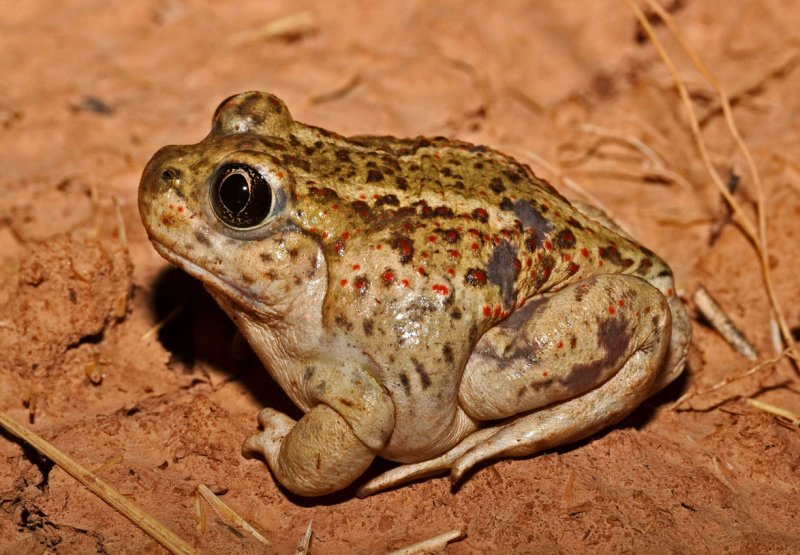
[{"x": 426, "y": 300}]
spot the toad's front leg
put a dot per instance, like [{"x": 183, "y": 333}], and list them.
[{"x": 334, "y": 442}]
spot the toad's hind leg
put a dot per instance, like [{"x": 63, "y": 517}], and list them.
[{"x": 583, "y": 360}]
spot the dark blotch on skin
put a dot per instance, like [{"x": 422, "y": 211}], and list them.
[
  {"x": 406, "y": 383},
  {"x": 614, "y": 339},
  {"x": 532, "y": 219},
  {"x": 447, "y": 352},
  {"x": 455, "y": 314},
  {"x": 405, "y": 247},
  {"x": 201, "y": 238},
  {"x": 388, "y": 200},
  {"x": 343, "y": 323},
  {"x": 565, "y": 238},
  {"x": 373, "y": 176},
  {"x": 611, "y": 254},
  {"x": 368, "y": 326},
  {"x": 424, "y": 378},
  {"x": 502, "y": 273},
  {"x": 496, "y": 185}
]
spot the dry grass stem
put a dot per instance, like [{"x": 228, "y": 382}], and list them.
[
  {"x": 750, "y": 84},
  {"x": 154, "y": 330},
  {"x": 721, "y": 322},
  {"x": 791, "y": 417},
  {"x": 338, "y": 92},
  {"x": 288, "y": 27},
  {"x": 123, "y": 234},
  {"x": 305, "y": 541},
  {"x": 757, "y": 235},
  {"x": 789, "y": 352},
  {"x": 657, "y": 165},
  {"x": 141, "y": 518},
  {"x": 435, "y": 543},
  {"x": 229, "y": 514}
]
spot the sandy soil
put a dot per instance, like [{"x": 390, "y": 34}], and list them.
[{"x": 89, "y": 90}]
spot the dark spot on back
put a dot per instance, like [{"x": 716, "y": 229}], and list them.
[
  {"x": 343, "y": 323},
  {"x": 501, "y": 272},
  {"x": 374, "y": 175},
  {"x": 532, "y": 220},
  {"x": 406, "y": 383},
  {"x": 496, "y": 185},
  {"x": 565, "y": 238},
  {"x": 447, "y": 352},
  {"x": 389, "y": 200},
  {"x": 202, "y": 239}
]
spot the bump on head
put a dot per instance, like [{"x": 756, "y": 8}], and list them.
[{"x": 252, "y": 112}]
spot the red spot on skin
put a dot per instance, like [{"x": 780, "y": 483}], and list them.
[
  {"x": 517, "y": 265},
  {"x": 441, "y": 290},
  {"x": 451, "y": 271},
  {"x": 180, "y": 209},
  {"x": 454, "y": 253},
  {"x": 360, "y": 284},
  {"x": 376, "y": 197},
  {"x": 670, "y": 292},
  {"x": 612, "y": 310},
  {"x": 548, "y": 246},
  {"x": 405, "y": 283},
  {"x": 545, "y": 374},
  {"x": 325, "y": 235},
  {"x": 356, "y": 267},
  {"x": 475, "y": 232},
  {"x": 487, "y": 311},
  {"x": 172, "y": 207},
  {"x": 573, "y": 268},
  {"x": 566, "y": 257},
  {"x": 431, "y": 238},
  {"x": 585, "y": 252},
  {"x": 425, "y": 255},
  {"x": 474, "y": 246},
  {"x": 344, "y": 282},
  {"x": 599, "y": 262},
  {"x": 506, "y": 233},
  {"x": 421, "y": 271},
  {"x": 378, "y": 246},
  {"x": 621, "y": 303},
  {"x": 280, "y": 175},
  {"x": 362, "y": 196},
  {"x": 498, "y": 311},
  {"x": 528, "y": 262},
  {"x": 346, "y": 235},
  {"x": 560, "y": 345},
  {"x": 335, "y": 206},
  {"x": 387, "y": 277}
]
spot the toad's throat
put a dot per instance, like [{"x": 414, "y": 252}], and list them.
[{"x": 218, "y": 287}]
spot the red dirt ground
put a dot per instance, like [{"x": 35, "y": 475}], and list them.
[{"x": 89, "y": 90}]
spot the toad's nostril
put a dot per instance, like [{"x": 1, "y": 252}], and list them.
[{"x": 170, "y": 175}]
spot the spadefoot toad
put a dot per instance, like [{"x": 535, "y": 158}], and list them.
[{"x": 424, "y": 300}]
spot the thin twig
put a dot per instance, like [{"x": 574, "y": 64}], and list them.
[
  {"x": 435, "y": 543},
  {"x": 152, "y": 331},
  {"x": 789, "y": 352},
  {"x": 141, "y": 518},
  {"x": 305, "y": 541},
  {"x": 793, "y": 418},
  {"x": 227, "y": 513},
  {"x": 721, "y": 322}
]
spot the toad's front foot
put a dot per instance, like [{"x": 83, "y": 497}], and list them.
[{"x": 317, "y": 455}]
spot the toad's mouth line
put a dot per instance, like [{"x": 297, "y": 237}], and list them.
[{"x": 212, "y": 282}]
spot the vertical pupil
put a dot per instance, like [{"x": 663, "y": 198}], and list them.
[{"x": 234, "y": 193}]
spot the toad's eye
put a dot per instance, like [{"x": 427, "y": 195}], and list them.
[{"x": 240, "y": 196}]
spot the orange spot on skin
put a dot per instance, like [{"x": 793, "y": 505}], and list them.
[
  {"x": 356, "y": 267},
  {"x": 378, "y": 246},
  {"x": 431, "y": 238},
  {"x": 599, "y": 262},
  {"x": 621, "y": 303},
  {"x": 441, "y": 290},
  {"x": 566, "y": 257},
  {"x": 425, "y": 255},
  {"x": 528, "y": 262},
  {"x": 545, "y": 374},
  {"x": 573, "y": 268},
  {"x": 335, "y": 206},
  {"x": 612, "y": 310},
  {"x": 451, "y": 271},
  {"x": 670, "y": 292},
  {"x": 421, "y": 271},
  {"x": 180, "y": 209},
  {"x": 325, "y": 235},
  {"x": 280, "y": 175},
  {"x": 172, "y": 207},
  {"x": 405, "y": 283},
  {"x": 548, "y": 246},
  {"x": 344, "y": 282},
  {"x": 387, "y": 277},
  {"x": 474, "y": 246},
  {"x": 345, "y": 235},
  {"x": 455, "y": 254},
  {"x": 498, "y": 310},
  {"x": 560, "y": 345},
  {"x": 487, "y": 311},
  {"x": 585, "y": 252}
]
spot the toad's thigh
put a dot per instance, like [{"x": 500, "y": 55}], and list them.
[{"x": 565, "y": 344}]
